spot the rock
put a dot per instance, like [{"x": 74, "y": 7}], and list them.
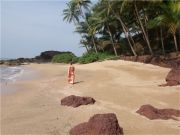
[
  {"x": 171, "y": 60},
  {"x": 144, "y": 58},
  {"x": 153, "y": 113},
  {"x": 172, "y": 55},
  {"x": 12, "y": 63},
  {"x": 99, "y": 124},
  {"x": 1, "y": 62},
  {"x": 173, "y": 77},
  {"x": 43, "y": 57},
  {"x": 76, "y": 101},
  {"x": 47, "y": 56}
]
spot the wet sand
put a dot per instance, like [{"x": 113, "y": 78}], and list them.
[{"x": 119, "y": 87}]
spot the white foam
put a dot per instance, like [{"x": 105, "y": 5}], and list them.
[{"x": 11, "y": 74}]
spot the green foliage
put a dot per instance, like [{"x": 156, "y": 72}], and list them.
[
  {"x": 75, "y": 59},
  {"x": 88, "y": 58},
  {"x": 64, "y": 58},
  {"x": 92, "y": 57},
  {"x": 150, "y": 26}
]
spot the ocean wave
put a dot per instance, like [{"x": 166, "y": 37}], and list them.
[{"x": 10, "y": 74}]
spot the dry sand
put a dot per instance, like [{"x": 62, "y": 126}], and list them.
[{"x": 119, "y": 87}]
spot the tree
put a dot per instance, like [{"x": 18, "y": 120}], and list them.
[
  {"x": 71, "y": 14},
  {"x": 104, "y": 21},
  {"x": 169, "y": 18},
  {"x": 116, "y": 8}
]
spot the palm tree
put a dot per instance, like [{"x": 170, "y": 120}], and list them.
[
  {"x": 104, "y": 21},
  {"x": 71, "y": 14},
  {"x": 74, "y": 11},
  {"x": 138, "y": 16},
  {"x": 116, "y": 7},
  {"x": 92, "y": 30},
  {"x": 169, "y": 18},
  {"x": 81, "y": 5}
]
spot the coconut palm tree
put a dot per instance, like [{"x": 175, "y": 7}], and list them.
[
  {"x": 71, "y": 14},
  {"x": 116, "y": 8},
  {"x": 81, "y": 5},
  {"x": 169, "y": 18},
  {"x": 138, "y": 16},
  {"x": 74, "y": 11},
  {"x": 104, "y": 21}
]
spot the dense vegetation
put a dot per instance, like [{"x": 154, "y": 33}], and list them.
[
  {"x": 84, "y": 59},
  {"x": 64, "y": 58},
  {"x": 128, "y": 27},
  {"x": 92, "y": 57}
]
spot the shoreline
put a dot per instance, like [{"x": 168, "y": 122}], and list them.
[
  {"x": 120, "y": 87},
  {"x": 26, "y": 74}
]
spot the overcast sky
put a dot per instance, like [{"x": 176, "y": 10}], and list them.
[{"x": 30, "y": 27}]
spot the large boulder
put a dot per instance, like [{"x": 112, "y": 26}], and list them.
[
  {"x": 76, "y": 101},
  {"x": 173, "y": 77},
  {"x": 153, "y": 113},
  {"x": 99, "y": 124}
]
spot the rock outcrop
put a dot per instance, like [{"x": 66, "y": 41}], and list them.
[
  {"x": 43, "y": 57},
  {"x": 99, "y": 124},
  {"x": 171, "y": 60},
  {"x": 76, "y": 101},
  {"x": 173, "y": 77},
  {"x": 12, "y": 63},
  {"x": 47, "y": 55},
  {"x": 153, "y": 113}
]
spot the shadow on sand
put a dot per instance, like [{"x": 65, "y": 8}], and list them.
[{"x": 78, "y": 82}]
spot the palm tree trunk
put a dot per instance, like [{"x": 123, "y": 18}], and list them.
[
  {"x": 175, "y": 42},
  {"x": 125, "y": 32},
  {"x": 115, "y": 52},
  {"x": 145, "y": 35},
  {"x": 86, "y": 48},
  {"x": 132, "y": 40},
  {"x": 127, "y": 37},
  {"x": 139, "y": 25},
  {"x": 83, "y": 16},
  {"x": 145, "y": 22},
  {"x": 162, "y": 43},
  {"x": 94, "y": 44}
]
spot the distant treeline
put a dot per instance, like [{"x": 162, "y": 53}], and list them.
[{"x": 129, "y": 27}]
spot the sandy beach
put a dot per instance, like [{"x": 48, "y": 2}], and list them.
[{"x": 119, "y": 87}]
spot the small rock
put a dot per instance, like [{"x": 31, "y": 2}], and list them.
[
  {"x": 76, "y": 101},
  {"x": 153, "y": 113}
]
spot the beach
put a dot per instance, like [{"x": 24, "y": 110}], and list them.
[{"x": 119, "y": 87}]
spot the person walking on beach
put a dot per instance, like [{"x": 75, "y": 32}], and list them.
[{"x": 71, "y": 73}]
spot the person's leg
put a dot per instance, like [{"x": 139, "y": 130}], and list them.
[
  {"x": 69, "y": 79},
  {"x": 73, "y": 78}
]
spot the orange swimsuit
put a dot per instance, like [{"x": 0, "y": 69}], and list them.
[{"x": 71, "y": 75}]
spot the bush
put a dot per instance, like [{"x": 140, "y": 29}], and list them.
[
  {"x": 64, "y": 58},
  {"x": 92, "y": 57},
  {"x": 88, "y": 58},
  {"x": 75, "y": 59}
]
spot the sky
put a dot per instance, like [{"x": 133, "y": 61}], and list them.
[{"x": 30, "y": 27}]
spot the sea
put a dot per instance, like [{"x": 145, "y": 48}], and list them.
[{"x": 10, "y": 74}]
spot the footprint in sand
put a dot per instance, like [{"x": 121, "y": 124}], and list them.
[{"x": 69, "y": 90}]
